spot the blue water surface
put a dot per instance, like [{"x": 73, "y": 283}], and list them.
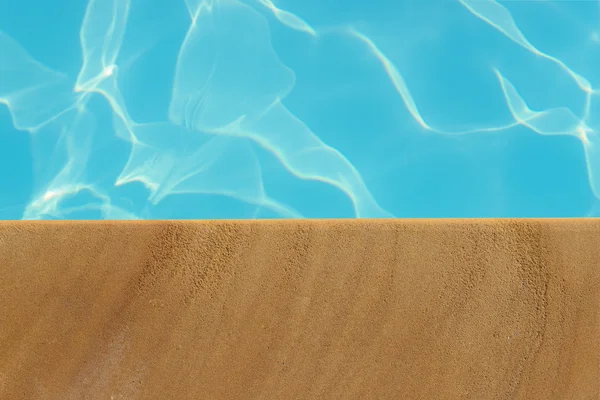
[{"x": 176, "y": 109}]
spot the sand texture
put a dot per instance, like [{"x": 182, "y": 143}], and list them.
[{"x": 396, "y": 309}]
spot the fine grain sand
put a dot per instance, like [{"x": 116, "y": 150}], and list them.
[{"x": 343, "y": 309}]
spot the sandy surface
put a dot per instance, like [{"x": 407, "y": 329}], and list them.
[{"x": 473, "y": 309}]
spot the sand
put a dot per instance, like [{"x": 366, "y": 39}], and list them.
[{"x": 348, "y": 309}]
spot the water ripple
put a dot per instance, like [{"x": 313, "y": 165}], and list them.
[{"x": 233, "y": 101}]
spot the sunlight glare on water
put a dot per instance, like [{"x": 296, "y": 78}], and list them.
[{"x": 159, "y": 109}]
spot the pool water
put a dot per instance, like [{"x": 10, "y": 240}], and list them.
[{"x": 177, "y": 109}]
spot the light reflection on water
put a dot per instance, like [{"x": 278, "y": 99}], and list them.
[{"x": 283, "y": 109}]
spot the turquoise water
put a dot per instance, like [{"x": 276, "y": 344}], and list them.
[{"x": 155, "y": 109}]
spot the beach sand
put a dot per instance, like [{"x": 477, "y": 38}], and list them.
[{"x": 341, "y": 309}]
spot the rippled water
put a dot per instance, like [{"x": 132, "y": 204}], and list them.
[{"x": 124, "y": 109}]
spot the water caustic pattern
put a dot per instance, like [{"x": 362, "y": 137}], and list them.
[{"x": 270, "y": 109}]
